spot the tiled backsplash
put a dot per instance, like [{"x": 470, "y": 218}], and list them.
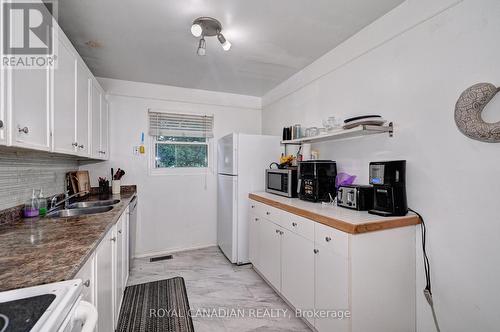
[{"x": 21, "y": 171}]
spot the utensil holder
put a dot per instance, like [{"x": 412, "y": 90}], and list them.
[
  {"x": 116, "y": 186},
  {"x": 104, "y": 190}
]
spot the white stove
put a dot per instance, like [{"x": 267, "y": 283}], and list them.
[{"x": 51, "y": 307}]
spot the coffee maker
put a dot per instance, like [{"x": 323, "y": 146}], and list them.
[
  {"x": 389, "y": 188},
  {"x": 317, "y": 180}
]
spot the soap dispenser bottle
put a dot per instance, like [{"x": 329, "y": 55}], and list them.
[
  {"x": 42, "y": 204},
  {"x": 31, "y": 207}
]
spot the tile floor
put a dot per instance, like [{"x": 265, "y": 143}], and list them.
[{"x": 213, "y": 283}]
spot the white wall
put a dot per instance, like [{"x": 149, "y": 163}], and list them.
[
  {"x": 175, "y": 212},
  {"x": 411, "y": 66}
]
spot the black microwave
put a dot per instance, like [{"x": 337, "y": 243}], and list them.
[{"x": 282, "y": 181}]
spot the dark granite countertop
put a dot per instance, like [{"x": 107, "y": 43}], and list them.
[{"x": 44, "y": 250}]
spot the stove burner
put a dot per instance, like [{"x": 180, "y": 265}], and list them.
[{"x": 21, "y": 315}]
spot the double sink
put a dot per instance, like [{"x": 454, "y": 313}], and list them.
[{"x": 84, "y": 208}]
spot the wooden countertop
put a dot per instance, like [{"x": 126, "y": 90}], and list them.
[{"x": 346, "y": 220}]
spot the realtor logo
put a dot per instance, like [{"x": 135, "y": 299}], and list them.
[{"x": 27, "y": 34}]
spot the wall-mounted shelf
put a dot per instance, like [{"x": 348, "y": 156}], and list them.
[{"x": 360, "y": 131}]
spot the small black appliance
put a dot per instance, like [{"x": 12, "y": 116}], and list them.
[
  {"x": 317, "y": 180},
  {"x": 389, "y": 188},
  {"x": 356, "y": 197}
]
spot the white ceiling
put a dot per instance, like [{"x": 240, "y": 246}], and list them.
[{"x": 150, "y": 41}]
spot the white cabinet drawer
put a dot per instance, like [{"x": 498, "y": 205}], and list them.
[
  {"x": 86, "y": 273},
  {"x": 266, "y": 211},
  {"x": 298, "y": 225},
  {"x": 331, "y": 239}
]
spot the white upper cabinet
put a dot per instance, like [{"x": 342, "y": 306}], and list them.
[
  {"x": 96, "y": 120},
  {"x": 61, "y": 109},
  {"x": 64, "y": 100},
  {"x": 28, "y": 105},
  {"x": 104, "y": 128},
  {"x": 82, "y": 110}
]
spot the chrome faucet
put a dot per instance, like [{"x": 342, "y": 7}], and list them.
[{"x": 54, "y": 204}]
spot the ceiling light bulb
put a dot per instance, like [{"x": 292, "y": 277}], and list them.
[
  {"x": 226, "y": 45},
  {"x": 196, "y": 30},
  {"x": 201, "y": 47}
]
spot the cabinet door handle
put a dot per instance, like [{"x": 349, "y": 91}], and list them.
[
  {"x": 87, "y": 283},
  {"x": 253, "y": 206},
  {"x": 256, "y": 219},
  {"x": 120, "y": 231},
  {"x": 23, "y": 130},
  {"x": 113, "y": 239},
  {"x": 294, "y": 224},
  {"x": 268, "y": 213},
  {"x": 277, "y": 231},
  {"x": 75, "y": 144},
  {"x": 328, "y": 239},
  {"x": 316, "y": 251},
  {"x": 81, "y": 146},
  {"x": 1, "y": 124}
]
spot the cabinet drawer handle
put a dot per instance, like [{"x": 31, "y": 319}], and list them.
[
  {"x": 253, "y": 206},
  {"x": 75, "y": 144},
  {"x": 277, "y": 231},
  {"x": 113, "y": 239},
  {"x": 328, "y": 239},
  {"x": 281, "y": 233},
  {"x": 316, "y": 251},
  {"x": 1, "y": 124},
  {"x": 120, "y": 231},
  {"x": 23, "y": 130},
  {"x": 294, "y": 224},
  {"x": 268, "y": 213},
  {"x": 87, "y": 283},
  {"x": 256, "y": 219}
]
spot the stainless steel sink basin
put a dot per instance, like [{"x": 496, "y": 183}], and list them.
[
  {"x": 78, "y": 212},
  {"x": 109, "y": 202}
]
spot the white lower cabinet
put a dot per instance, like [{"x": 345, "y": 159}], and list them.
[
  {"x": 125, "y": 248},
  {"x": 87, "y": 274},
  {"x": 339, "y": 282},
  {"x": 105, "y": 275},
  {"x": 253, "y": 239},
  {"x": 270, "y": 252},
  {"x": 331, "y": 287},
  {"x": 105, "y": 282},
  {"x": 297, "y": 272},
  {"x": 118, "y": 268}
]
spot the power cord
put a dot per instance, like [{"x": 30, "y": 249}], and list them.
[{"x": 427, "y": 269}]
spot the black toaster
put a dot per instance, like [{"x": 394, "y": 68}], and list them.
[{"x": 356, "y": 197}]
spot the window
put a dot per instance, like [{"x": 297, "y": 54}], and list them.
[
  {"x": 171, "y": 151},
  {"x": 180, "y": 142}
]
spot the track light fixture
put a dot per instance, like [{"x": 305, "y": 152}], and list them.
[
  {"x": 202, "y": 47},
  {"x": 208, "y": 27}
]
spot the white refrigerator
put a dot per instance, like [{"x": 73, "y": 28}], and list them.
[{"x": 242, "y": 163}]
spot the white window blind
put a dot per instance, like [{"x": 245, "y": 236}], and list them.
[{"x": 180, "y": 125}]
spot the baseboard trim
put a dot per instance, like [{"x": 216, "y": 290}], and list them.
[{"x": 172, "y": 251}]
